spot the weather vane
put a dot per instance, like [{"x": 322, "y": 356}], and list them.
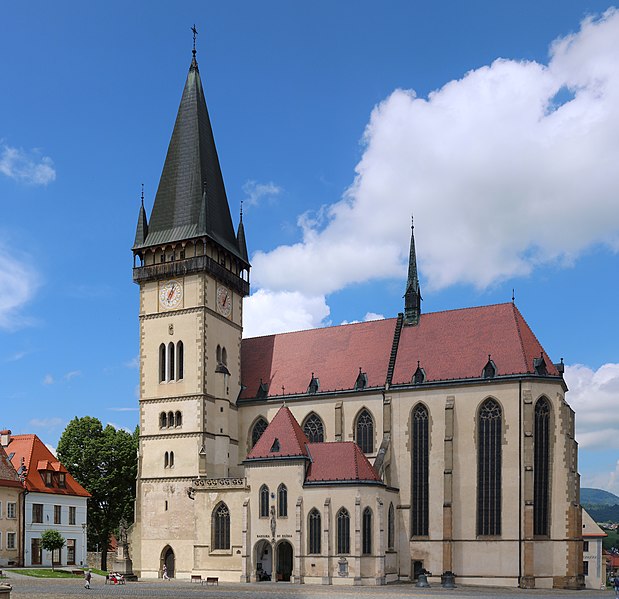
[{"x": 195, "y": 32}]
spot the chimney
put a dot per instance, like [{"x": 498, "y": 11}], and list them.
[{"x": 5, "y": 438}]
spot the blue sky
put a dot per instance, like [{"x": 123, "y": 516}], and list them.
[{"x": 497, "y": 124}]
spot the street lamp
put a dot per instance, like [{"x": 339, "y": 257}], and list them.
[{"x": 84, "y": 545}]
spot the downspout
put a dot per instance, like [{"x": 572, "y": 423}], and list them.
[
  {"x": 520, "y": 481},
  {"x": 23, "y": 529}
]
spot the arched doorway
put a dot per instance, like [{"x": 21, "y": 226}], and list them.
[
  {"x": 284, "y": 561},
  {"x": 264, "y": 561},
  {"x": 168, "y": 560}
]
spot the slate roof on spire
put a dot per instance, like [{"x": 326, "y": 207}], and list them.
[
  {"x": 141, "y": 231},
  {"x": 286, "y": 430},
  {"x": 191, "y": 165}
]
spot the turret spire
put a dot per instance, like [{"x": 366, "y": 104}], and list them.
[
  {"x": 141, "y": 231},
  {"x": 412, "y": 296}
]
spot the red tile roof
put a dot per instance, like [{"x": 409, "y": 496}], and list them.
[
  {"x": 333, "y": 354},
  {"x": 291, "y": 439},
  {"x": 455, "y": 344},
  {"x": 31, "y": 452},
  {"x": 450, "y": 345},
  {"x": 8, "y": 474},
  {"x": 339, "y": 462}
]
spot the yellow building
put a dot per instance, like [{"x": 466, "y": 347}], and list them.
[{"x": 438, "y": 442}]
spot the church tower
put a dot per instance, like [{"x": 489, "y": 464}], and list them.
[
  {"x": 193, "y": 273},
  {"x": 412, "y": 296}
]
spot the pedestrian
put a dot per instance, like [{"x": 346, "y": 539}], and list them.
[
  {"x": 87, "y": 578},
  {"x": 165, "y": 573},
  {"x": 616, "y": 585}
]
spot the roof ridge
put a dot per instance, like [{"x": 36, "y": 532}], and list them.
[{"x": 516, "y": 313}]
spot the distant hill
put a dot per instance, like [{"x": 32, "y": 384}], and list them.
[{"x": 598, "y": 497}]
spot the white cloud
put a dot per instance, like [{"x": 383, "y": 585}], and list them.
[
  {"x": 48, "y": 379},
  {"x": 373, "y": 316},
  {"x": 26, "y": 167},
  {"x": 508, "y": 168},
  {"x": 72, "y": 374},
  {"x": 603, "y": 480},
  {"x": 594, "y": 396},
  {"x": 18, "y": 283},
  {"x": 267, "y": 312},
  {"x": 133, "y": 363},
  {"x": 255, "y": 192},
  {"x": 123, "y": 409},
  {"x": 45, "y": 422},
  {"x": 52, "y": 449}
]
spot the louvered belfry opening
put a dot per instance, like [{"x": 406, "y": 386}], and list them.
[
  {"x": 489, "y": 469},
  {"x": 541, "y": 468},
  {"x": 420, "y": 461}
]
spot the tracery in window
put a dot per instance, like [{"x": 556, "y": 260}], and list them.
[
  {"x": 264, "y": 501},
  {"x": 221, "y": 526},
  {"x": 314, "y": 532},
  {"x": 365, "y": 431},
  {"x": 366, "y": 533},
  {"x": 259, "y": 428},
  {"x": 314, "y": 428},
  {"x": 541, "y": 468},
  {"x": 343, "y": 531},
  {"x": 489, "y": 468},
  {"x": 282, "y": 501},
  {"x": 419, "y": 473}
]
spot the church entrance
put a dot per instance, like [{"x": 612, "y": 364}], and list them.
[
  {"x": 264, "y": 561},
  {"x": 284, "y": 561},
  {"x": 168, "y": 560}
]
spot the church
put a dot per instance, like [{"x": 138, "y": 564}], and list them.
[{"x": 359, "y": 454}]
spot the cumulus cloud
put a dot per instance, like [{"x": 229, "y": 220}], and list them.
[
  {"x": 26, "y": 166},
  {"x": 18, "y": 283},
  {"x": 511, "y": 167},
  {"x": 593, "y": 396},
  {"x": 255, "y": 192},
  {"x": 267, "y": 312},
  {"x": 48, "y": 379},
  {"x": 368, "y": 316},
  {"x": 603, "y": 480}
]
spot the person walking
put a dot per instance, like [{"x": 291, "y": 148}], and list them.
[
  {"x": 165, "y": 573},
  {"x": 87, "y": 578},
  {"x": 616, "y": 585}
]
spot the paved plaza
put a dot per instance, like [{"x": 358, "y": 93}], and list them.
[{"x": 25, "y": 587}]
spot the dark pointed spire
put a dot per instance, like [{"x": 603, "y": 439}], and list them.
[
  {"x": 141, "y": 231},
  {"x": 191, "y": 188},
  {"x": 412, "y": 297},
  {"x": 240, "y": 237}
]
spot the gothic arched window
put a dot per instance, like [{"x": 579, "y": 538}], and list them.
[
  {"x": 170, "y": 418},
  {"x": 170, "y": 361},
  {"x": 419, "y": 474},
  {"x": 163, "y": 420},
  {"x": 166, "y": 460},
  {"x": 489, "y": 438},
  {"x": 314, "y": 531},
  {"x": 366, "y": 532},
  {"x": 178, "y": 418},
  {"x": 180, "y": 360},
  {"x": 259, "y": 428},
  {"x": 391, "y": 527},
  {"x": 365, "y": 431},
  {"x": 282, "y": 501},
  {"x": 343, "y": 531},
  {"x": 541, "y": 468},
  {"x": 162, "y": 352},
  {"x": 264, "y": 501},
  {"x": 171, "y": 459},
  {"x": 224, "y": 356},
  {"x": 314, "y": 429},
  {"x": 220, "y": 526}
]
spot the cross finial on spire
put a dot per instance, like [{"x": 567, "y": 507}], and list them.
[
  {"x": 142, "y": 194},
  {"x": 241, "y": 210},
  {"x": 195, "y": 32},
  {"x": 513, "y": 295}
]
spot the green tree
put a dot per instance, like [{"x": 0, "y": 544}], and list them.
[
  {"x": 104, "y": 462},
  {"x": 52, "y": 540}
]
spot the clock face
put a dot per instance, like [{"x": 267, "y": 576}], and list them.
[
  {"x": 224, "y": 301},
  {"x": 170, "y": 294}
]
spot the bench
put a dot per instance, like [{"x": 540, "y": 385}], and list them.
[
  {"x": 77, "y": 572},
  {"x": 211, "y": 580},
  {"x": 196, "y": 578}
]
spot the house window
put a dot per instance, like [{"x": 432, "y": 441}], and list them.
[
  {"x": 57, "y": 514},
  {"x": 264, "y": 501},
  {"x": 419, "y": 475},
  {"x": 180, "y": 358},
  {"x": 366, "y": 541},
  {"x": 282, "y": 501},
  {"x": 314, "y": 429},
  {"x": 259, "y": 428},
  {"x": 365, "y": 432},
  {"x": 162, "y": 363},
  {"x": 70, "y": 551},
  {"x": 11, "y": 540},
  {"x": 541, "y": 468},
  {"x": 37, "y": 513},
  {"x": 47, "y": 476},
  {"x": 314, "y": 532},
  {"x": 585, "y": 546},
  {"x": 585, "y": 568},
  {"x": 343, "y": 531},
  {"x": 221, "y": 527},
  {"x": 489, "y": 469},
  {"x": 62, "y": 480},
  {"x": 36, "y": 553},
  {"x": 391, "y": 528},
  {"x": 72, "y": 511},
  {"x": 11, "y": 509}
]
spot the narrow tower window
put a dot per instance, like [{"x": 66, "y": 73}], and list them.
[
  {"x": 541, "y": 468},
  {"x": 314, "y": 532},
  {"x": 314, "y": 429},
  {"x": 171, "y": 459},
  {"x": 365, "y": 431},
  {"x": 170, "y": 419},
  {"x": 163, "y": 420},
  {"x": 178, "y": 419},
  {"x": 162, "y": 363},
  {"x": 180, "y": 360},
  {"x": 171, "y": 361},
  {"x": 489, "y": 468},
  {"x": 419, "y": 474}
]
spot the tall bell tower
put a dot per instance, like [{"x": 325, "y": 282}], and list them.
[{"x": 193, "y": 273}]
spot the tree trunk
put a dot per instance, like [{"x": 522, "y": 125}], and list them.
[{"x": 104, "y": 558}]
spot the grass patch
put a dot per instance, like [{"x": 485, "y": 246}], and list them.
[
  {"x": 99, "y": 572},
  {"x": 44, "y": 573}
]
